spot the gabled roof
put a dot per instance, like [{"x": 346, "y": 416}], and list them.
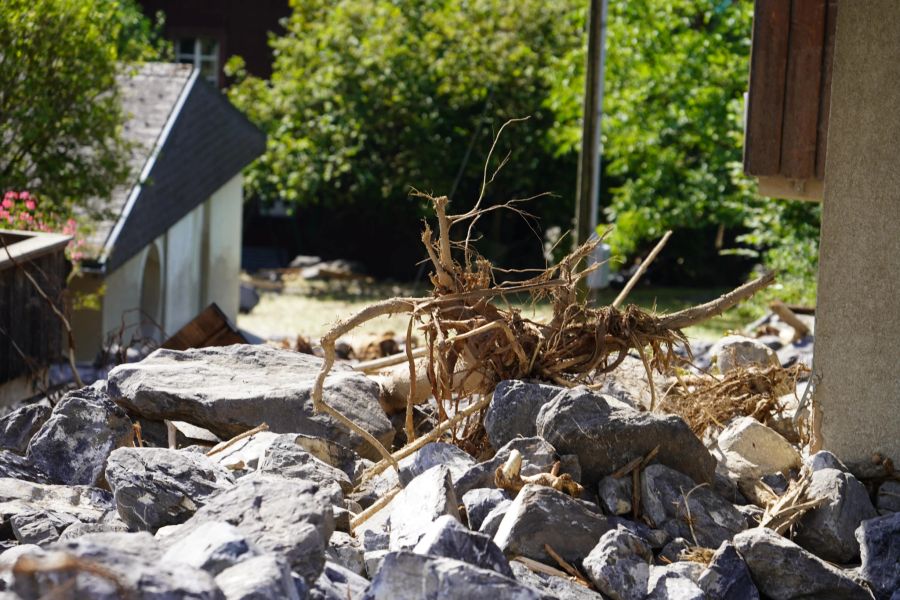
[{"x": 188, "y": 141}]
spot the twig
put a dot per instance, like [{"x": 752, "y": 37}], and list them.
[
  {"x": 787, "y": 315},
  {"x": 378, "y": 505},
  {"x": 539, "y": 567},
  {"x": 641, "y": 270},
  {"x": 171, "y": 434},
  {"x": 568, "y": 568},
  {"x": 227, "y": 444},
  {"x": 429, "y": 437},
  {"x": 377, "y": 364},
  {"x": 698, "y": 314}
]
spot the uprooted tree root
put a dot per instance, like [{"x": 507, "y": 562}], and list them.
[
  {"x": 707, "y": 401},
  {"x": 474, "y": 339}
]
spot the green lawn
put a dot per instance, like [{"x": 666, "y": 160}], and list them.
[{"x": 310, "y": 308}]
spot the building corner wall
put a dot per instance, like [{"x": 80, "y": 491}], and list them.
[{"x": 857, "y": 360}]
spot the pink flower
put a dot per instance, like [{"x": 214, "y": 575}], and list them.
[
  {"x": 7, "y": 202},
  {"x": 24, "y": 196},
  {"x": 30, "y": 204}
]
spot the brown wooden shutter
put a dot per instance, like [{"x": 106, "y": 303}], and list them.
[{"x": 789, "y": 98}]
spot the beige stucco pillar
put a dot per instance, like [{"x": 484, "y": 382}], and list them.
[{"x": 857, "y": 354}]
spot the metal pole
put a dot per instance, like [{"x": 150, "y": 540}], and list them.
[{"x": 588, "y": 193}]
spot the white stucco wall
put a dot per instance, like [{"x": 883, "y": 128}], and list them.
[
  {"x": 123, "y": 293},
  {"x": 200, "y": 260},
  {"x": 183, "y": 270},
  {"x": 225, "y": 211}
]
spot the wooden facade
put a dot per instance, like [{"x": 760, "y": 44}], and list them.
[
  {"x": 31, "y": 335},
  {"x": 240, "y": 27},
  {"x": 790, "y": 96}
]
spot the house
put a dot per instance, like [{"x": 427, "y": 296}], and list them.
[
  {"x": 827, "y": 74},
  {"x": 206, "y": 33},
  {"x": 33, "y": 270},
  {"x": 168, "y": 245}
]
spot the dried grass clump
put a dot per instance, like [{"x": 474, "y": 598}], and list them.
[
  {"x": 708, "y": 401},
  {"x": 783, "y": 513}
]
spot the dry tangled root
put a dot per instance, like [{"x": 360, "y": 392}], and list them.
[
  {"x": 707, "y": 401},
  {"x": 475, "y": 339}
]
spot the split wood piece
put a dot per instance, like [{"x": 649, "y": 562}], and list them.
[
  {"x": 641, "y": 270},
  {"x": 787, "y": 510},
  {"x": 787, "y": 315},
  {"x": 138, "y": 441},
  {"x": 59, "y": 562},
  {"x": 508, "y": 477},
  {"x": 431, "y": 436},
  {"x": 171, "y": 435},
  {"x": 375, "y": 365},
  {"x": 228, "y": 443},
  {"x": 568, "y": 568},
  {"x": 378, "y": 505},
  {"x": 539, "y": 567},
  {"x": 634, "y": 463}
]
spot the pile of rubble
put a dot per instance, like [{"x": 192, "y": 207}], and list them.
[{"x": 160, "y": 482}]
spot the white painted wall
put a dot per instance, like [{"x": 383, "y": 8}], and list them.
[
  {"x": 184, "y": 261},
  {"x": 200, "y": 260},
  {"x": 223, "y": 234}
]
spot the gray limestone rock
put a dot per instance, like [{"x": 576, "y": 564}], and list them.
[
  {"x": 15, "y": 466},
  {"x": 332, "y": 453},
  {"x": 541, "y": 515},
  {"x": 782, "y": 570},
  {"x": 213, "y": 547},
  {"x": 879, "y": 541},
  {"x": 824, "y": 459},
  {"x": 82, "y": 503},
  {"x": 615, "y": 495},
  {"x": 133, "y": 560},
  {"x": 670, "y": 500},
  {"x": 606, "y": 434},
  {"x": 258, "y": 578},
  {"x": 514, "y": 408},
  {"x": 40, "y": 527},
  {"x": 154, "y": 487},
  {"x": 672, "y": 583},
  {"x": 285, "y": 517},
  {"x": 344, "y": 550},
  {"x": 285, "y": 458},
  {"x": 727, "y": 576},
  {"x": 409, "y": 576},
  {"x": 230, "y": 389},
  {"x": 888, "y": 499},
  {"x": 550, "y": 586},
  {"x": 673, "y": 550},
  {"x": 338, "y": 583},
  {"x": 480, "y": 502},
  {"x": 72, "y": 446},
  {"x": 449, "y": 538},
  {"x": 111, "y": 524},
  {"x": 419, "y": 504},
  {"x": 735, "y": 351},
  {"x": 18, "y": 427},
  {"x": 492, "y": 520},
  {"x": 537, "y": 457},
  {"x": 432, "y": 455},
  {"x": 828, "y": 530},
  {"x": 619, "y": 565}
]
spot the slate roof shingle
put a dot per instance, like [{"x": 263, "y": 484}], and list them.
[{"x": 188, "y": 142}]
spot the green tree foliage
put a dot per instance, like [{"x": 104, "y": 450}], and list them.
[
  {"x": 370, "y": 98},
  {"x": 60, "y": 113}
]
